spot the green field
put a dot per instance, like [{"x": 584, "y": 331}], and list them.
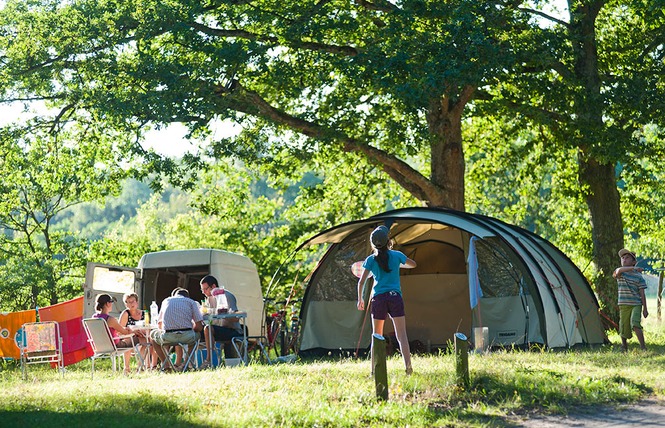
[{"x": 340, "y": 392}]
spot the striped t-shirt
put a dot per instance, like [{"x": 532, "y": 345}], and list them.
[{"x": 630, "y": 284}]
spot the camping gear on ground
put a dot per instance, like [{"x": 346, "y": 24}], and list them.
[{"x": 473, "y": 271}]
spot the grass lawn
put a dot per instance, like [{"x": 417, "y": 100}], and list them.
[{"x": 338, "y": 393}]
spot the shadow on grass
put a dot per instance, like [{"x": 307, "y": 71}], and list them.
[{"x": 114, "y": 412}]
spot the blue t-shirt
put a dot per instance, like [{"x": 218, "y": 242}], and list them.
[{"x": 386, "y": 281}]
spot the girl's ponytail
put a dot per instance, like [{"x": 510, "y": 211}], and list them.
[{"x": 381, "y": 258}]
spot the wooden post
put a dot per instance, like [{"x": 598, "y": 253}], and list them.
[
  {"x": 379, "y": 366},
  {"x": 462, "y": 360},
  {"x": 660, "y": 294}
]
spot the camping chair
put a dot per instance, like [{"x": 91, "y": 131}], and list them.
[
  {"x": 215, "y": 351},
  {"x": 189, "y": 350},
  {"x": 41, "y": 344},
  {"x": 239, "y": 345},
  {"x": 219, "y": 351},
  {"x": 251, "y": 345},
  {"x": 103, "y": 346}
]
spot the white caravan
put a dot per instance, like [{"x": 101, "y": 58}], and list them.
[{"x": 159, "y": 273}]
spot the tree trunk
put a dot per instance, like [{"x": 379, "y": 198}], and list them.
[
  {"x": 444, "y": 119},
  {"x": 597, "y": 177},
  {"x": 602, "y": 198}
]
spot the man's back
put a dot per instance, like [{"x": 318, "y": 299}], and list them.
[{"x": 179, "y": 312}]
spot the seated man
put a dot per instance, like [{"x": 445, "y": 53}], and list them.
[
  {"x": 180, "y": 321},
  {"x": 223, "y": 330}
]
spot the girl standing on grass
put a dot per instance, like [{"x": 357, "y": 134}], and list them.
[{"x": 386, "y": 298}]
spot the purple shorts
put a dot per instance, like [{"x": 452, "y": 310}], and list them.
[{"x": 385, "y": 304}]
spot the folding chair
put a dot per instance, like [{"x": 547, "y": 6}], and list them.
[
  {"x": 189, "y": 348},
  {"x": 219, "y": 349},
  {"x": 42, "y": 344},
  {"x": 215, "y": 352},
  {"x": 240, "y": 343},
  {"x": 103, "y": 346},
  {"x": 249, "y": 346}
]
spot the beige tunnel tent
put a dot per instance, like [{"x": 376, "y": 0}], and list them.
[{"x": 527, "y": 291}]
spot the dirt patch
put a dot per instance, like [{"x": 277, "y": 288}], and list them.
[{"x": 645, "y": 413}]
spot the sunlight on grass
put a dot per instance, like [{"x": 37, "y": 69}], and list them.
[{"x": 340, "y": 392}]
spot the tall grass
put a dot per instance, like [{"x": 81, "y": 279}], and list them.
[{"x": 339, "y": 392}]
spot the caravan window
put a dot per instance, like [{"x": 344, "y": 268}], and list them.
[{"x": 113, "y": 280}]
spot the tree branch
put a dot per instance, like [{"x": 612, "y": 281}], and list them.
[
  {"x": 555, "y": 65},
  {"x": 61, "y": 114},
  {"x": 465, "y": 96},
  {"x": 250, "y": 102},
  {"x": 379, "y": 5},
  {"x": 544, "y": 15},
  {"x": 314, "y": 46},
  {"x": 528, "y": 110},
  {"x": 412, "y": 180}
]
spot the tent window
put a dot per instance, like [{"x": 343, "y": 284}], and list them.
[
  {"x": 434, "y": 257},
  {"x": 498, "y": 270},
  {"x": 335, "y": 281}
]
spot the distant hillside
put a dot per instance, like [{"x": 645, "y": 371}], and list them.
[{"x": 91, "y": 219}]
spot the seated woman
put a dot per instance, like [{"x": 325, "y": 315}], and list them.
[
  {"x": 104, "y": 307},
  {"x": 130, "y": 317}
]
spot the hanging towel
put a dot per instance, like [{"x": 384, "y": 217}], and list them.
[{"x": 11, "y": 332}]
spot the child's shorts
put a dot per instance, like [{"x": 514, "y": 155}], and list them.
[{"x": 384, "y": 304}]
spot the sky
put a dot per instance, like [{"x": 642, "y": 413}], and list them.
[
  {"x": 168, "y": 141},
  {"x": 171, "y": 141}
]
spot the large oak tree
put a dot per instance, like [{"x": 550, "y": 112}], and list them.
[
  {"x": 598, "y": 87},
  {"x": 386, "y": 80}
]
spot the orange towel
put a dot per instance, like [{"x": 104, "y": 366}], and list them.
[
  {"x": 62, "y": 311},
  {"x": 69, "y": 315},
  {"x": 10, "y": 332}
]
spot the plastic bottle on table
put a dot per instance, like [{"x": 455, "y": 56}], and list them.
[
  {"x": 154, "y": 313},
  {"x": 146, "y": 317},
  {"x": 222, "y": 303}
]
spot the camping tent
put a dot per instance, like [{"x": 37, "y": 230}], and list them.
[{"x": 473, "y": 271}]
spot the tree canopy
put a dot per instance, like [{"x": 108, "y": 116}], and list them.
[
  {"x": 359, "y": 84},
  {"x": 385, "y": 81},
  {"x": 43, "y": 175}
]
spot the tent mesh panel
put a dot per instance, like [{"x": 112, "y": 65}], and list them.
[
  {"x": 496, "y": 270},
  {"x": 336, "y": 282}
]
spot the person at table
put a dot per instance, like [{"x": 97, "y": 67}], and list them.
[
  {"x": 179, "y": 321},
  {"x": 132, "y": 316},
  {"x": 223, "y": 330},
  {"x": 104, "y": 305}
]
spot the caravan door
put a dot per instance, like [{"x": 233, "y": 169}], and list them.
[{"x": 113, "y": 280}]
